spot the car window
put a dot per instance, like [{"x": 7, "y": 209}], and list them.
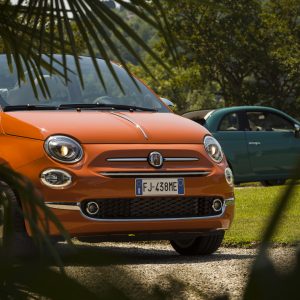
[
  {"x": 229, "y": 123},
  {"x": 105, "y": 91},
  {"x": 266, "y": 121}
]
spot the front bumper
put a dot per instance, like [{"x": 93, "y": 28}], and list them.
[
  {"x": 78, "y": 224},
  {"x": 92, "y": 179}
]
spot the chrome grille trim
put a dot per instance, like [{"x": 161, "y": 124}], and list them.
[
  {"x": 137, "y": 174},
  {"x": 158, "y": 219},
  {"x": 127, "y": 159},
  {"x": 76, "y": 206},
  {"x": 229, "y": 201},
  {"x": 63, "y": 205},
  {"x": 144, "y": 159},
  {"x": 181, "y": 159}
]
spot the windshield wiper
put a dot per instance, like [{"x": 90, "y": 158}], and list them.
[
  {"x": 28, "y": 107},
  {"x": 105, "y": 106}
]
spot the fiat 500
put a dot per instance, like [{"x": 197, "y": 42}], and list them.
[
  {"x": 113, "y": 164},
  {"x": 260, "y": 143}
]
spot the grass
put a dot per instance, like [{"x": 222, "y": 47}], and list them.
[{"x": 254, "y": 206}]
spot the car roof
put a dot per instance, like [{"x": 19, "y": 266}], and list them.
[
  {"x": 225, "y": 110},
  {"x": 197, "y": 114},
  {"x": 245, "y": 107},
  {"x": 214, "y": 116}
]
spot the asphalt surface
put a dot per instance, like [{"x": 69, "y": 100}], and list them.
[{"x": 140, "y": 269}]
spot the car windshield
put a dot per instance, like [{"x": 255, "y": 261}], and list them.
[{"x": 93, "y": 93}]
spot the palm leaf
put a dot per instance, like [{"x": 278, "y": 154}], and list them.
[
  {"x": 34, "y": 210},
  {"x": 30, "y": 28},
  {"x": 265, "y": 282}
]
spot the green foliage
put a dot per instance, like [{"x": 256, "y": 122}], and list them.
[
  {"x": 183, "y": 86},
  {"x": 249, "y": 50},
  {"x": 142, "y": 28}
]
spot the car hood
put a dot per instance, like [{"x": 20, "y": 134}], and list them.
[{"x": 104, "y": 127}]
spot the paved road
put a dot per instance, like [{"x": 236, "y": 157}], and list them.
[{"x": 157, "y": 265}]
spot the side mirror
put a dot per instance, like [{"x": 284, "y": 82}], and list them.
[
  {"x": 297, "y": 131},
  {"x": 168, "y": 102}
]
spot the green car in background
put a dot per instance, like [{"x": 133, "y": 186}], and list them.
[{"x": 260, "y": 143}]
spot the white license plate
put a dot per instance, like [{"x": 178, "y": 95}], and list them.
[{"x": 159, "y": 186}]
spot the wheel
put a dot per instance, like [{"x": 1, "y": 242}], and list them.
[
  {"x": 273, "y": 182},
  {"x": 202, "y": 245},
  {"x": 19, "y": 243}
]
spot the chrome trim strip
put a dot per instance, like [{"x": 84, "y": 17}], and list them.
[
  {"x": 127, "y": 159},
  {"x": 229, "y": 201},
  {"x": 136, "y": 174},
  {"x": 132, "y": 122},
  {"x": 181, "y": 159},
  {"x": 63, "y": 205},
  {"x": 156, "y": 220},
  {"x": 142, "y": 159},
  {"x": 53, "y": 186}
]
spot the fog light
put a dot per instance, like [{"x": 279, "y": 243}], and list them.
[
  {"x": 217, "y": 205},
  {"x": 229, "y": 176},
  {"x": 56, "y": 178},
  {"x": 92, "y": 208}
]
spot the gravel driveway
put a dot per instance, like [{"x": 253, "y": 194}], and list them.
[{"x": 156, "y": 265}]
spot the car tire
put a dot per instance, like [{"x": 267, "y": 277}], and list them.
[
  {"x": 20, "y": 244},
  {"x": 203, "y": 245},
  {"x": 273, "y": 182}
]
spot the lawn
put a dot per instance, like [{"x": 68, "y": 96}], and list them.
[{"x": 254, "y": 206}]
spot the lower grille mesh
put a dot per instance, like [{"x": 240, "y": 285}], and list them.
[{"x": 158, "y": 207}]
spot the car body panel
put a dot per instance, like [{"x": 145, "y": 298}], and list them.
[
  {"x": 103, "y": 127},
  {"x": 254, "y": 155},
  {"x": 78, "y": 225},
  {"x": 88, "y": 183},
  {"x": 264, "y": 159},
  {"x": 236, "y": 142},
  {"x": 106, "y": 134}
]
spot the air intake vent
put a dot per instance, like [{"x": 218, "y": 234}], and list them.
[{"x": 152, "y": 208}]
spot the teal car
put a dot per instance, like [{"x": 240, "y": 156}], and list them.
[{"x": 260, "y": 143}]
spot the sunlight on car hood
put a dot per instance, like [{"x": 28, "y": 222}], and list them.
[{"x": 104, "y": 127}]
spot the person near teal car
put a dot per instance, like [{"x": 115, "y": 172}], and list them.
[{"x": 260, "y": 143}]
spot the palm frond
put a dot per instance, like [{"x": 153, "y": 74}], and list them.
[
  {"x": 31, "y": 28},
  {"x": 35, "y": 212}
]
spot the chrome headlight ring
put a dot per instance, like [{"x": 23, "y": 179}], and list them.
[
  {"x": 213, "y": 149},
  {"x": 63, "y": 149}
]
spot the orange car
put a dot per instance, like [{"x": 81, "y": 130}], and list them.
[{"x": 116, "y": 165}]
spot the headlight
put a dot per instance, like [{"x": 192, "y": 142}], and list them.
[
  {"x": 63, "y": 149},
  {"x": 213, "y": 149}
]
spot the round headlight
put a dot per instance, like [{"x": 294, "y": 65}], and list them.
[
  {"x": 63, "y": 149},
  {"x": 213, "y": 149}
]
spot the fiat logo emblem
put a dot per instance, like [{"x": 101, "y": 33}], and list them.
[{"x": 155, "y": 159}]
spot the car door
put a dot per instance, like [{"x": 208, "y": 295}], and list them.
[
  {"x": 231, "y": 135},
  {"x": 271, "y": 143}
]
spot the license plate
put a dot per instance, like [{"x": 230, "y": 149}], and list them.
[{"x": 159, "y": 186}]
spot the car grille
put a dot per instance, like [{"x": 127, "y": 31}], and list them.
[{"x": 152, "y": 208}]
